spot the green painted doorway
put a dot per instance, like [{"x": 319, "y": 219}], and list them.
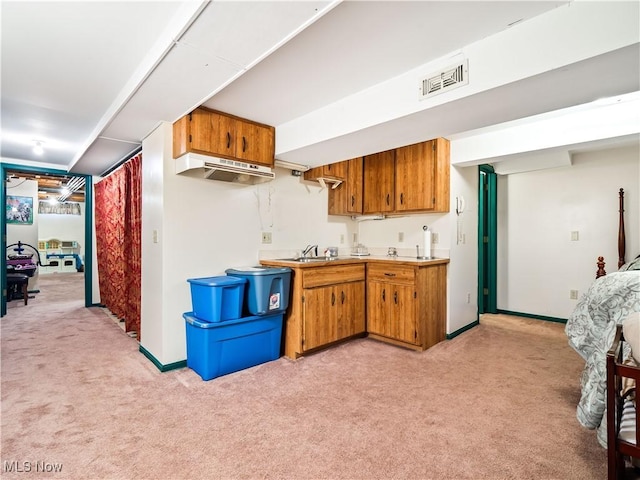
[
  {"x": 487, "y": 239},
  {"x": 88, "y": 228}
]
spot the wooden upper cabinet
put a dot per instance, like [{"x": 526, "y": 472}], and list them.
[
  {"x": 215, "y": 133},
  {"x": 409, "y": 179},
  {"x": 336, "y": 170},
  {"x": 415, "y": 177},
  {"x": 346, "y": 198},
  {"x": 379, "y": 182}
]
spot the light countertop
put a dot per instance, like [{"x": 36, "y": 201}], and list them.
[{"x": 345, "y": 260}]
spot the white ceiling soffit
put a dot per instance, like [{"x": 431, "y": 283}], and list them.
[
  {"x": 558, "y": 157},
  {"x": 600, "y": 77},
  {"x": 594, "y": 125},
  {"x": 361, "y": 44},
  {"x": 225, "y": 41}
]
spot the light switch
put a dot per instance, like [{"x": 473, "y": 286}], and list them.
[
  {"x": 155, "y": 236},
  {"x": 575, "y": 236}
]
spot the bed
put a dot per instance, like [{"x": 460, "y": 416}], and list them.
[{"x": 591, "y": 329}]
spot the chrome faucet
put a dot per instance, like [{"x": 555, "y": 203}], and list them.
[{"x": 308, "y": 249}]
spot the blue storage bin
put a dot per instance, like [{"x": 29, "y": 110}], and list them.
[
  {"x": 215, "y": 299},
  {"x": 267, "y": 289},
  {"x": 215, "y": 349}
]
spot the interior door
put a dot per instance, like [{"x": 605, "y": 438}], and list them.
[{"x": 487, "y": 240}]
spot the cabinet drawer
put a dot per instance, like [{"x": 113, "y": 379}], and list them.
[
  {"x": 391, "y": 273},
  {"x": 330, "y": 275}
]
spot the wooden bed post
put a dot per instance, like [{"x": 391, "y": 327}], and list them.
[
  {"x": 600, "y": 272},
  {"x": 621, "y": 237}
]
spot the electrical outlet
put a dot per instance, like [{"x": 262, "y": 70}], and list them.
[
  {"x": 401, "y": 236},
  {"x": 341, "y": 238},
  {"x": 573, "y": 294},
  {"x": 266, "y": 237},
  {"x": 575, "y": 236},
  {"x": 468, "y": 298},
  {"x": 435, "y": 238}
]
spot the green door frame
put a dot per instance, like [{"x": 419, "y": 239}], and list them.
[
  {"x": 487, "y": 239},
  {"x": 88, "y": 228}
]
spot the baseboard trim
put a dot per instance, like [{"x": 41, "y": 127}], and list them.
[
  {"x": 160, "y": 366},
  {"x": 534, "y": 316},
  {"x": 462, "y": 330}
]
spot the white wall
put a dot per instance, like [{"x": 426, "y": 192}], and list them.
[
  {"x": 63, "y": 227},
  {"x": 538, "y": 264}
]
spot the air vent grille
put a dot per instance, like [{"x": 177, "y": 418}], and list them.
[{"x": 445, "y": 80}]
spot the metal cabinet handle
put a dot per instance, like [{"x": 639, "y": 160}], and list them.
[
  {"x": 387, "y": 199},
  {"x": 244, "y": 144},
  {"x": 228, "y": 140},
  {"x": 387, "y": 274},
  {"x": 401, "y": 198},
  {"x": 353, "y": 200},
  {"x": 383, "y": 295},
  {"x": 343, "y": 297},
  {"x": 333, "y": 299},
  {"x": 395, "y": 297}
]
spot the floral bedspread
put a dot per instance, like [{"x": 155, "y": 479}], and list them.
[{"x": 590, "y": 330}]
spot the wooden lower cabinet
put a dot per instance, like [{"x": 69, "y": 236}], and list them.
[
  {"x": 332, "y": 313},
  {"x": 406, "y": 305},
  {"x": 327, "y": 304},
  {"x": 392, "y": 311},
  {"x": 399, "y": 303}
]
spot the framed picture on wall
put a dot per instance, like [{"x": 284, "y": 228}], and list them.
[{"x": 19, "y": 210}]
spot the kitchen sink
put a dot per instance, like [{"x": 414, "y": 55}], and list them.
[
  {"x": 316, "y": 259},
  {"x": 308, "y": 259}
]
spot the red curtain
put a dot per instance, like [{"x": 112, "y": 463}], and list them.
[{"x": 118, "y": 217}]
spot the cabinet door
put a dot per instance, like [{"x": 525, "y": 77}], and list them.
[
  {"x": 346, "y": 198},
  {"x": 379, "y": 178},
  {"x": 350, "y": 317},
  {"x": 355, "y": 172},
  {"x": 200, "y": 130},
  {"x": 402, "y": 321},
  {"x": 319, "y": 316},
  {"x": 415, "y": 177},
  {"x": 335, "y": 170},
  {"x": 254, "y": 143},
  {"x": 378, "y": 308}
]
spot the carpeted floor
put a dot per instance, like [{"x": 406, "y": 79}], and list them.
[{"x": 496, "y": 402}]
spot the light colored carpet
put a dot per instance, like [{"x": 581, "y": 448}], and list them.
[{"x": 496, "y": 402}]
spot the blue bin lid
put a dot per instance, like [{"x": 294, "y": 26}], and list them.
[
  {"x": 258, "y": 270},
  {"x": 217, "y": 281}
]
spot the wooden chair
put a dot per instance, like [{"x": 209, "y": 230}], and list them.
[
  {"x": 16, "y": 282},
  {"x": 623, "y": 428}
]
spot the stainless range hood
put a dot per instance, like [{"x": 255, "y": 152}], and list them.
[{"x": 222, "y": 169}]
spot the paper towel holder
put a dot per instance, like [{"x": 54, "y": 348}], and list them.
[{"x": 423, "y": 257}]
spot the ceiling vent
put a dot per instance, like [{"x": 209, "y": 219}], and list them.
[{"x": 451, "y": 77}]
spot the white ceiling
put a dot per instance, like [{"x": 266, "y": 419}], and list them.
[{"x": 92, "y": 79}]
